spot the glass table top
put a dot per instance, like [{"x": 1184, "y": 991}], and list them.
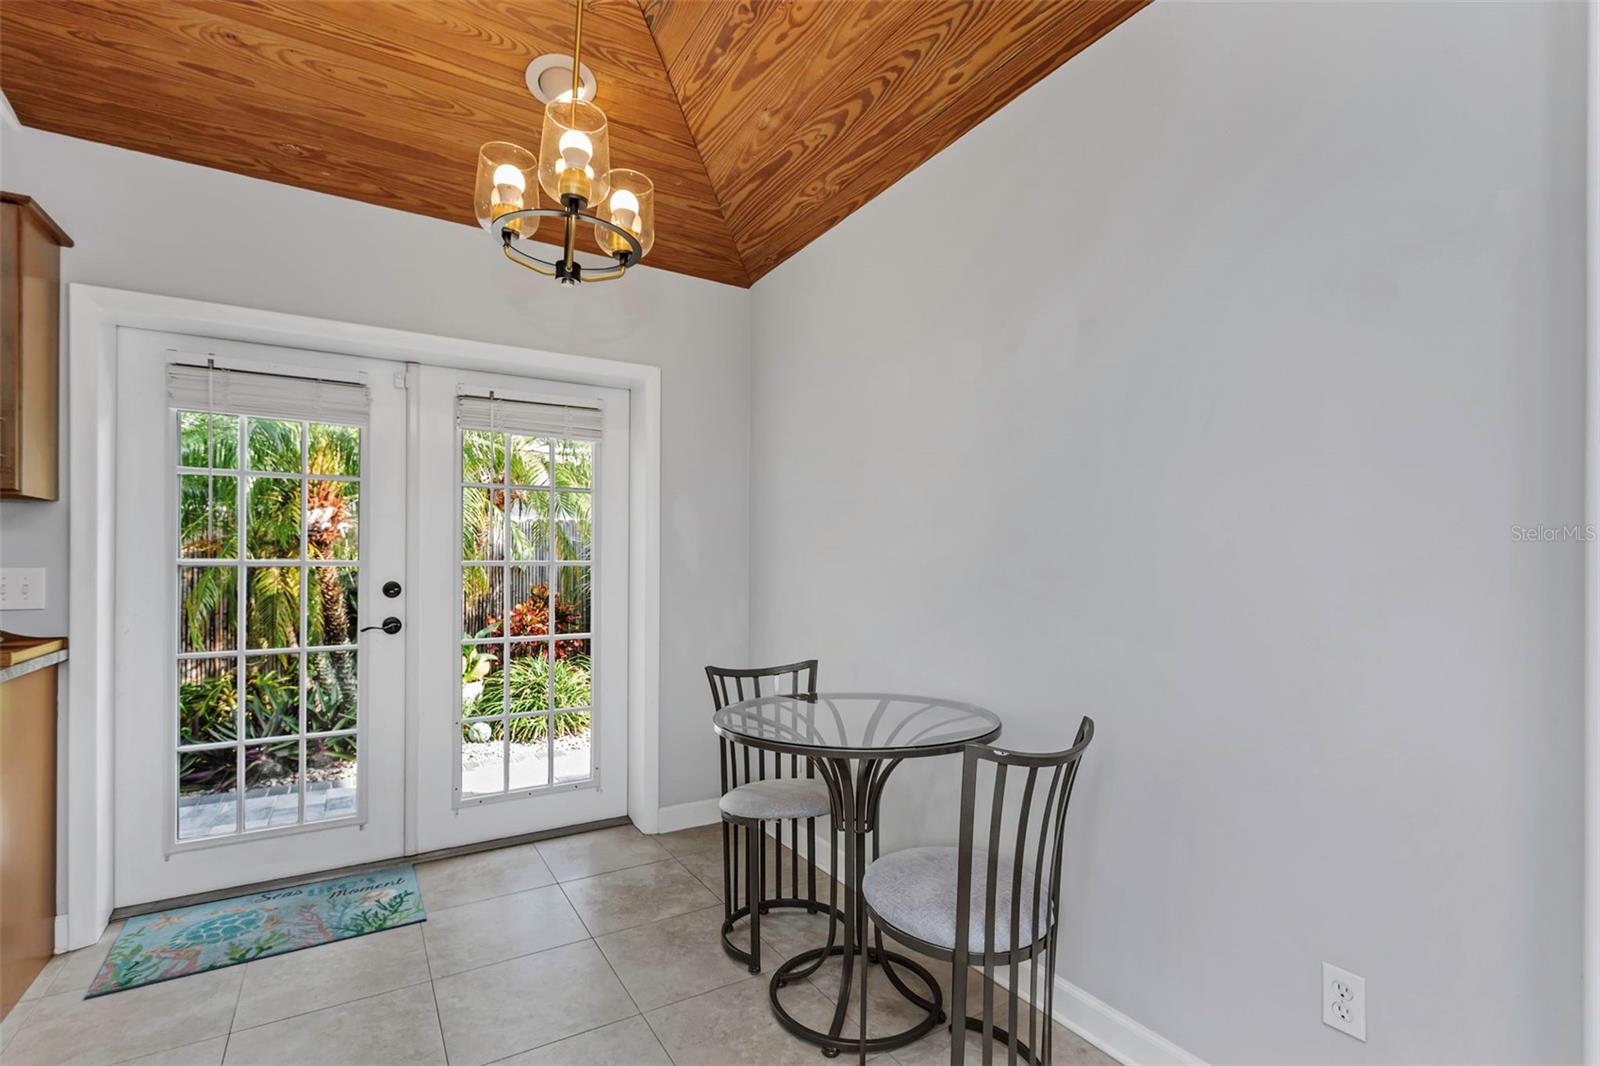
[{"x": 856, "y": 724}]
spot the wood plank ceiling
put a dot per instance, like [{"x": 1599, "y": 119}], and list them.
[{"x": 762, "y": 122}]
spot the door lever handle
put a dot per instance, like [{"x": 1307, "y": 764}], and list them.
[{"x": 390, "y": 625}]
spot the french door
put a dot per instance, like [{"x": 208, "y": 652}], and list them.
[
  {"x": 362, "y": 611},
  {"x": 528, "y": 503}
]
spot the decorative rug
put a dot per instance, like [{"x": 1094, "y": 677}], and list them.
[{"x": 209, "y": 936}]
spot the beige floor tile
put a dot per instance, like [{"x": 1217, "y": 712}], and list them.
[
  {"x": 492, "y": 930},
  {"x": 205, "y": 1053},
  {"x": 524, "y": 1003},
  {"x": 13, "y": 1021},
  {"x": 78, "y": 968},
  {"x": 45, "y": 977},
  {"x": 330, "y": 974},
  {"x": 790, "y": 931},
  {"x": 469, "y": 878},
  {"x": 700, "y": 840},
  {"x": 624, "y": 1043},
  {"x": 663, "y": 962},
  {"x": 735, "y": 1026},
  {"x": 394, "y": 1028},
  {"x": 599, "y": 852},
  {"x": 123, "y": 1025},
  {"x": 625, "y": 898},
  {"x": 707, "y": 869},
  {"x": 707, "y": 866}
]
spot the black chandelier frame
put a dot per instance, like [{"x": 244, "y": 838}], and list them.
[{"x": 567, "y": 270}]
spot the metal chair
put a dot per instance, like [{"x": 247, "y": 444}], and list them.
[
  {"x": 924, "y": 897},
  {"x": 752, "y": 797}
]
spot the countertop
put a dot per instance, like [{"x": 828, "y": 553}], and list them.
[{"x": 21, "y": 655}]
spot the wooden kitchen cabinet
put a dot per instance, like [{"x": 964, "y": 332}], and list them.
[
  {"x": 30, "y": 349},
  {"x": 27, "y": 809}
]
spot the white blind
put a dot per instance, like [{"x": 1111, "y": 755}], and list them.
[
  {"x": 533, "y": 419},
  {"x": 238, "y": 392}
]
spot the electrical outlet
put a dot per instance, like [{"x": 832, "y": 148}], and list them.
[
  {"x": 22, "y": 588},
  {"x": 1344, "y": 1001}
]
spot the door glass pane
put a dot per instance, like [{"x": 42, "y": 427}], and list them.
[
  {"x": 275, "y": 445},
  {"x": 208, "y": 793},
  {"x": 331, "y": 778},
  {"x": 330, "y": 691},
  {"x": 572, "y": 600},
  {"x": 483, "y": 526},
  {"x": 574, "y": 531},
  {"x": 272, "y": 518},
  {"x": 480, "y": 679},
  {"x": 334, "y": 450},
  {"x": 530, "y": 524},
  {"x": 208, "y": 440},
  {"x": 527, "y": 677},
  {"x": 530, "y": 601},
  {"x": 483, "y": 758},
  {"x": 574, "y": 462},
  {"x": 207, "y": 703},
  {"x": 530, "y": 460},
  {"x": 207, "y": 507},
  {"x": 573, "y": 745},
  {"x": 483, "y": 457},
  {"x": 208, "y": 608},
  {"x": 331, "y": 617},
  {"x": 570, "y": 678},
  {"x": 272, "y": 607},
  {"x": 530, "y": 752},
  {"x": 272, "y": 696},
  {"x": 331, "y": 519},
  {"x": 483, "y": 597},
  {"x": 255, "y": 705},
  {"x": 271, "y": 785}
]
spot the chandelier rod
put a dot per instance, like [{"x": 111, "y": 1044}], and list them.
[{"x": 577, "y": 49}]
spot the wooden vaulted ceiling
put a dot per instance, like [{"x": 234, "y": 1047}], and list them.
[{"x": 762, "y": 122}]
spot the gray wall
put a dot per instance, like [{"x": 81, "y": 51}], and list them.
[
  {"x": 153, "y": 225},
  {"x": 1217, "y": 431}
]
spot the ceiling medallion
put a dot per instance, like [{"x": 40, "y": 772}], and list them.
[{"x": 574, "y": 169}]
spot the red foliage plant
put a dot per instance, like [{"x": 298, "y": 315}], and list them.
[{"x": 531, "y": 618}]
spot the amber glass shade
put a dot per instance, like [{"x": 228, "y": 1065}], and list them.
[
  {"x": 631, "y": 204},
  {"x": 574, "y": 152},
  {"x": 507, "y": 181}
]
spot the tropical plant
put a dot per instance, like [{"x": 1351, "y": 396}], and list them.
[{"x": 528, "y": 676}]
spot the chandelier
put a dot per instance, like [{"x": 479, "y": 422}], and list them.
[{"x": 573, "y": 167}]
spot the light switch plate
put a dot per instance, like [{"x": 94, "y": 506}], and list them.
[{"x": 22, "y": 588}]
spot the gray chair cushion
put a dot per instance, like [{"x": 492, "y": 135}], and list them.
[
  {"x": 915, "y": 891},
  {"x": 788, "y": 797}
]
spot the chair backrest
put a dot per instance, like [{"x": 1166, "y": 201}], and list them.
[
  {"x": 729, "y": 686},
  {"x": 1031, "y": 865},
  {"x": 1019, "y": 841}
]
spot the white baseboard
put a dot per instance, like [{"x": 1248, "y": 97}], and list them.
[
  {"x": 62, "y": 936},
  {"x": 688, "y": 815},
  {"x": 1114, "y": 1032},
  {"x": 1098, "y": 1022}
]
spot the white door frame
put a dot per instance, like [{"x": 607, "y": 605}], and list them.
[{"x": 94, "y": 314}]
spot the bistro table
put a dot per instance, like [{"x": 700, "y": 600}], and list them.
[{"x": 855, "y": 740}]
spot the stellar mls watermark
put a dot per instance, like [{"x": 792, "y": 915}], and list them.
[{"x": 1542, "y": 534}]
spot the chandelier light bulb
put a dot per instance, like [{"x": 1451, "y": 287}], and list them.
[
  {"x": 625, "y": 210},
  {"x": 506, "y": 174},
  {"x": 576, "y": 149}
]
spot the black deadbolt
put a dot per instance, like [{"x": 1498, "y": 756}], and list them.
[
  {"x": 391, "y": 589},
  {"x": 390, "y": 625}
]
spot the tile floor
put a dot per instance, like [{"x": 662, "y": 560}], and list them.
[{"x": 593, "y": 949}]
